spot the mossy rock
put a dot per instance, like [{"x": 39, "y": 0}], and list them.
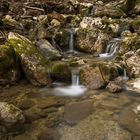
[
  {"x": 136, "y": 24},
  {"x": 33, "y": 63},
  {"x": 9, "y": 69},
  {"x": 130, "y": 42},
  {"x": 61, "y": 71}
]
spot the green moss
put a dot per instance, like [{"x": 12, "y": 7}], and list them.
[
  {"x": 60, "y": 71},
  {"x": 8, "y": 62}
]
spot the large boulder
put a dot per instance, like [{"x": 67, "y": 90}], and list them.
[
  {"x": 34, "y": 65},
  {"x": 98, "y": 75},
  {"x": 48, "y": 50},
  {"x": 9, "y": 69},
  {"x": 91, "y": 41}
]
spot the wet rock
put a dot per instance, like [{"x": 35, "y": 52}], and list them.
[
  {"x": 25, "y": 104},
  {"x": 9, "y": 69},
  {"x": 97, "y": 76},
  {"x": 91, "y": 40},
  {"x": 137, "y": 138},
  {"x": 48, "y": 50},
  {"x": 113, "y": 87},
  {"x": 47, "y": 103},
  {"x": 130, "y": 120},
  {"x": 9, "y": 114},
  {"x": 33, "y": 114},
  {"x": 60, "y": 70},
  {"x": 40, "y": 131},
  {"x": 22, "y": 137},
  {"x": 75, "y": 112},
  {"x": 34, "y": 65}
]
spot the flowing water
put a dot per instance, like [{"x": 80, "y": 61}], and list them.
[
  {"x": 111, "y": 48},
  {"x": 75, "y": 89}
]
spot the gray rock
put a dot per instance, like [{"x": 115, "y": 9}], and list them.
[{"x": 48, "y": 50}]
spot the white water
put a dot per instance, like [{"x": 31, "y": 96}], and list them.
[
  {"x": 125, "y": 77},
  {"x": 111, "y": 49},
  {"x": 72, "y": 31},
  {"x": 71, "y": 42},
  {"x": 75, "y": 89}
]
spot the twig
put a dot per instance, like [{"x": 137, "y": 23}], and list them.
[{"x": 35, "y": 8}]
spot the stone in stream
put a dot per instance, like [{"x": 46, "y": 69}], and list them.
[
  {"x": 10, "y": 114},
  {"x": 114, "y": 87},
  {"x": 77, "y": 111},
  {"x": 130, "y": 120},
  {"x": 98, "y": 75},
  {"x": 33, "y": 63}
]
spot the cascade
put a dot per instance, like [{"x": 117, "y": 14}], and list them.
[
  {"x": 111, "y": 48},
  {"x": 125, "y": 77},
  {"x": 75, "y": 89}
]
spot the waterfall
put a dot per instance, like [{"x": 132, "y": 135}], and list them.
[
  {"x": 111, "y": 48},
  {"x": 75, "y": 89},
  {"x": 72, "y": 32},
  {"x": 71, "y": 41},
  {"x": 75, "y": 79},
  {"x": 125, "y": 77}
]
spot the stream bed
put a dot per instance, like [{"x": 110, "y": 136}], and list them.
[{"x": 96, "y": 115}]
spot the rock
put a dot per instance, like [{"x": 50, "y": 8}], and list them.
[
  {"x": 9, "y": 69},
  {"x": 25, "y": 104},
  {"x": 89, "y": 22},
  {"x": 61, "y": 71},
  {"x": 98, "y": 75},
  {"x": 75, "y": 112},
  {"x": 135, "y": 24},
  {"x": 62, "y": 37},
  {"x": 56, "y": 16},
  {"x": 113, "y": 87},
  {"x": 22, "y": 137},
  {"x": 108, "y": 11},
  {"x": 47, "y": 103},
  {"x": 132, "y": 64},
  {"x": 34, "y": 65},
  {"x": 130, "y": 120},
  {"x": 39, "y": 131},
  {"x": 130, "y": 42},
  {"x": 33, "y": 114},
  {"x": 48, "y": 50},
  {"x": 11, "y": 24},
  {"x": 91, "y": 40},
  {"x": 10, "y": 114}
]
